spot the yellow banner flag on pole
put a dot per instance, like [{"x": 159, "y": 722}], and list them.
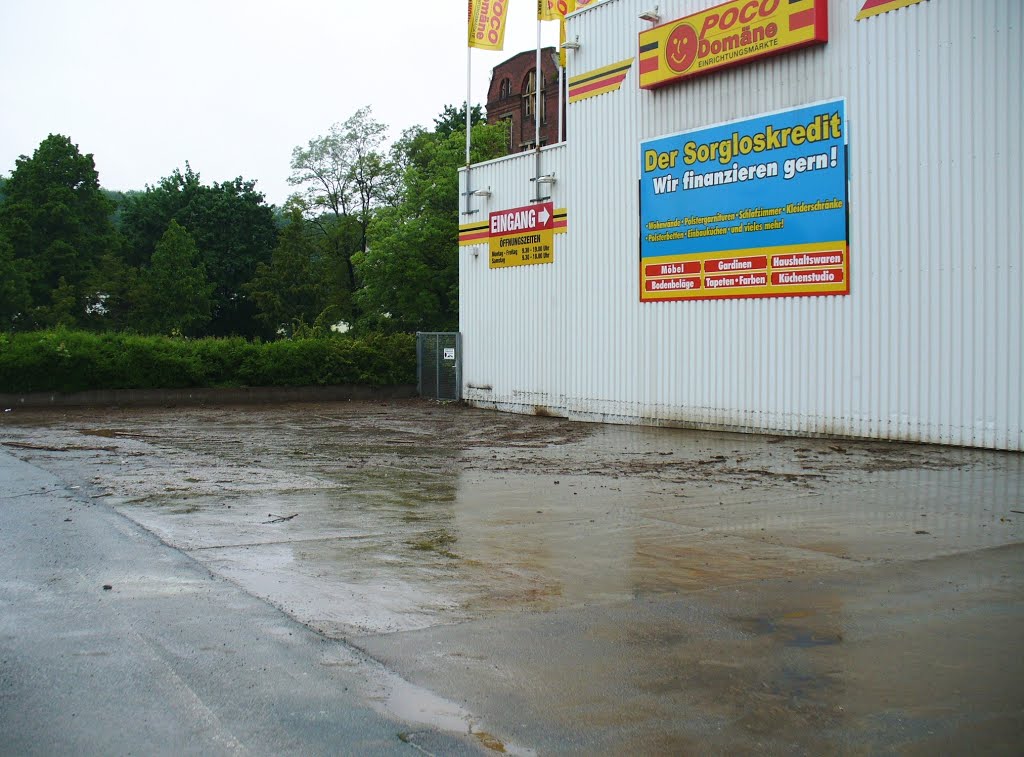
[
  {"x": 554, "y": 10},
  {"x": 487, "y": 24},
  {"x": 561, "y": 43}
]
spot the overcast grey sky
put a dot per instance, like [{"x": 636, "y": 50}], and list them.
[{"x": 229, "y": 85}]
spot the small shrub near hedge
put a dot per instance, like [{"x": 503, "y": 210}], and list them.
[{"x": 74, "y": 361}]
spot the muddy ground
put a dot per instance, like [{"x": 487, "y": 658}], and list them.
[{"x": 574, "y": 587}]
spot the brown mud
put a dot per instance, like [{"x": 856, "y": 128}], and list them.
[{"x": 599, "y": 588}]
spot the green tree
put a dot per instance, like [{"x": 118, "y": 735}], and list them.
[
  {"x": 174, "y": 294},
  {"x": 453, "y": 120},
  {"x": 295, "y": 288},
  {"x": 145, "y": 215},
  {"x": 410, "y": 272},
  {"x": 65, "y": 305},
  {"x": 342, "y": 177},
  {"x": 58, "y": 223},
  {"x": 14, "y": 297},
  {"x": 232, "y": 226},
  {"x": 110, "y": 294}
]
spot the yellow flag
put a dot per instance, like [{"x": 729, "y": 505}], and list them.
[
  {"x": 557, "y": 10},
  {"x": 554, "y": 10},
  {"x": 487, "y": 24},
  {"x": 561, "y": 42}
]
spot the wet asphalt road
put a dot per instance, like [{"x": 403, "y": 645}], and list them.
[
  {"x": 574, "y": 588},
  {"x": 169, "y": 659}
]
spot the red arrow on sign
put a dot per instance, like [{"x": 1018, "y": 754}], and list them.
[{"x": 538, "y": 217}]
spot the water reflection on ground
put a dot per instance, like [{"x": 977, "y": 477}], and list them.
[{"x": 632, "y": 588}]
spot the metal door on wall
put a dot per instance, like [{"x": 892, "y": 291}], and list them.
[{"x": 439, "y": 364}]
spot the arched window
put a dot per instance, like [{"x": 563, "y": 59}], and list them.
[
  {"x": 530, "y": 95},
  {"x": 505, "y": 91}
]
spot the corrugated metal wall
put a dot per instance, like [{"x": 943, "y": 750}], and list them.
[
  {"x": 510, "y": 318},
  {"x": 928, "y": 346}
]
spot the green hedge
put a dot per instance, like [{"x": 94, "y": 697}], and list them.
[{"x": 73, "y": 361}]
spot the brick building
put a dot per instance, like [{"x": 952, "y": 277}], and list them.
[{"x": 512, "y": 98}]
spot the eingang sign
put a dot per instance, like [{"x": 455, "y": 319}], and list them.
[
  {"x": 728, "y": 35},
  {"x": 751, "y": 208},
  {"x": 522, "y": 236}
]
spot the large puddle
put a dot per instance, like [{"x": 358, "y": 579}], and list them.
[{"x": 367, "y": 520}]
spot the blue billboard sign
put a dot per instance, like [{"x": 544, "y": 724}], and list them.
[{"x": 750, "y": 208}]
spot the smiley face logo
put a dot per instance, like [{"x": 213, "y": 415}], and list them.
[{"x": 681, "y": 48}]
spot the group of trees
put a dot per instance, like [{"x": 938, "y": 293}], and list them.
[{"x": 369, "y": 239}]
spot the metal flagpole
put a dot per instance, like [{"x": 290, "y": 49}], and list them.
[
  {"x": 561, "y": 105},
  {"x": 469, "y": 93},
  {"x": 537, "y": 80}
]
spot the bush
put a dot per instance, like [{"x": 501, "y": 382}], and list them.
[{"x": 73, "y": 361}]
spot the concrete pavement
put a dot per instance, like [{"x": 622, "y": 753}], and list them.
[
  {"x": 569, "y": 588},
  {"x": 170, "y": 659}
]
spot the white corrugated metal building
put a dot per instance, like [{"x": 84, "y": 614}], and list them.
[{"x": 926, "y": 345}]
